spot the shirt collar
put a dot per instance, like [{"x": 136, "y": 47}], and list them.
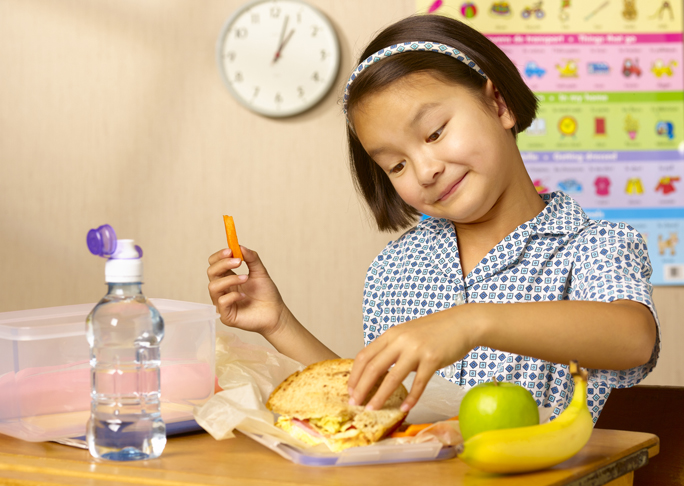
[{"x": 561, "y": 216}]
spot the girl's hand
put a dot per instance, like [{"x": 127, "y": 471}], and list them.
[
  {"x": 251, "y": 302},
  {"x": 422, "y": 345}
]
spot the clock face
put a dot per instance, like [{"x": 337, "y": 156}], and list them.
[{"x": 278, "y": 57}]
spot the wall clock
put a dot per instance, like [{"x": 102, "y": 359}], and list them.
[{"x": 278, "y": 57}]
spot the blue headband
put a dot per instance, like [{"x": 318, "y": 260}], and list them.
[{"x": 412, "y": 46}]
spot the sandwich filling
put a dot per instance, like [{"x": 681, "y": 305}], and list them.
[{"x": 335, "y": 434}]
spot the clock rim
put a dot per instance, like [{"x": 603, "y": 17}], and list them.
[{"x": 269, "y": 113}]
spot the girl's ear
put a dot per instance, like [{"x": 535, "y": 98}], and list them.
[{"x": 494, "y": 97}]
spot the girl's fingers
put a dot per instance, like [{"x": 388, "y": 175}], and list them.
[
  {"x": 221, "y": 264},
  {"x": 223, "y": 285},
  {"x": 359, "y": 366},
  {"x": 254, "y": 264},
  {"x": 404, "y": 349},
  {"x": 219, "y": 255},
  {"x": 225, "y": 305},
  {"x": 423, "y": 376},
  {"x": 394, "y": 378},
  {"x": 373, "y": 365},
  {"x": 222, "y": 267}
]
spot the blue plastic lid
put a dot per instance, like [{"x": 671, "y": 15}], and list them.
[{"x": 102, "y": 241}]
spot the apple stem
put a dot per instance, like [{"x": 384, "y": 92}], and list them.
[{"x": 496, "y": 383}]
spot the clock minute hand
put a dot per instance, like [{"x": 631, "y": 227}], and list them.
[
  {"x": 282, "y": 36},
  {"x": 282, "y": 45},
  {"x": 282, "y": 32}
]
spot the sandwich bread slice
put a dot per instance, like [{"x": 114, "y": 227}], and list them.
[{"x": 313, "y": 405}]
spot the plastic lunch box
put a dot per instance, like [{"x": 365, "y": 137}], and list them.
[
  {"x": 357, "y": 456},
  {"x": 45, "y": 369}
]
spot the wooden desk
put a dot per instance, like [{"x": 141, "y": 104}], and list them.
[{"x": 200, "y": 460}]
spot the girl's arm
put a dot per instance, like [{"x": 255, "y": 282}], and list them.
[
  {"x": 600, "y": 335},
  {"x": 252, "y": 302},
  {"x": 292, "y": 339},
  {"x": 616, "y": 335}
]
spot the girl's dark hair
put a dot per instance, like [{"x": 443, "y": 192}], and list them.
[{"x": 390, "y": 211}]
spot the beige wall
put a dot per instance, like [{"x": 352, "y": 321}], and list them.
[{"x": 112, "y": 111}]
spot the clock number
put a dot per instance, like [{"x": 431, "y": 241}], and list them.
[
  {"x": 299, "y": 17},
  {"x": 278, "y": 98},
  {"x": 314, "y": 30},
  {"x": 324, "y": 54},
  {"x": 316, "y": 76},
  {"x": 241, "y": 33},
  {"x": 255, "y": 18},
  {"x": 230, "y": 55},
  {"x": 300, "y": 91},
  {"x": 256, "y": 92},
  {"x": 238, "y": 76},
  {"x": 275, "y": 12}
]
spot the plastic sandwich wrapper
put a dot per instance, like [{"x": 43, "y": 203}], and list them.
[{"x": 248, "y": 374}]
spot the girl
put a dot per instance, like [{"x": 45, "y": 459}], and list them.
[{"x": 498, "y": 281}]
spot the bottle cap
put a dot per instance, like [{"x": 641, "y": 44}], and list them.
[
  {"x": 102, "y": 241},
  {"x": 124, "y": 264}
]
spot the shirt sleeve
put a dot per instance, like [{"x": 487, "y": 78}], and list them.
[
  {"x": 383, "y": 286},
  {"x": 612, "y": 264},
  {"x": 373, "y": 292}
]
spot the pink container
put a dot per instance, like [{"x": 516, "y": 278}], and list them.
[{"x": 45, "y": 372}]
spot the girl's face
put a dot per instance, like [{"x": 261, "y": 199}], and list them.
[{"x": 447, "y": 152}]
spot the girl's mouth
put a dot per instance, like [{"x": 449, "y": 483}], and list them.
[{"x": 450, "y": 190}]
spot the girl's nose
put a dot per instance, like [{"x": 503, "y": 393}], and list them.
[{"x": 428, "y": 170}]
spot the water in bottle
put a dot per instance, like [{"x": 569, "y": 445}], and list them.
[{"x": 124, "y": 331}]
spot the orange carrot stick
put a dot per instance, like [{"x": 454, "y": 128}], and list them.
[
  {"x": 413, "y": 429},
  {"x": 231, "y": 234}
]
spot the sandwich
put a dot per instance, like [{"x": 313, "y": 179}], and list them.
[{"x": 313, "y": 405}]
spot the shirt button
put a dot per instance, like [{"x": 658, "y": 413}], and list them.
[
  {"x": 459, "y": 298},
  {"x": 449, "y": 371}
]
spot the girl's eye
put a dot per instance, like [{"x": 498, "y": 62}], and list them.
[
  {"x": 397, "y": 168},
  {"x": 435, "y": 135}
]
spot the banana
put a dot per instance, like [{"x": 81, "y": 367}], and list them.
[{"x": 525, "y": 449}]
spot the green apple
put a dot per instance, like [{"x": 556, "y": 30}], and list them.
[{"x": 496, "y": 405}]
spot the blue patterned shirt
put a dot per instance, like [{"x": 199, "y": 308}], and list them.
[{"x": 559, "y": 255}]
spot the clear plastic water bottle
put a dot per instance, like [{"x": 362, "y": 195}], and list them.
[{"x": 124, "y": 331}]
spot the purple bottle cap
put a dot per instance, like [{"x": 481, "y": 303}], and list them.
[{"x": 102, "y": 241}]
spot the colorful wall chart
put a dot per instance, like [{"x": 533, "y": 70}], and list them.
[{"x": 609, "y": 76}]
